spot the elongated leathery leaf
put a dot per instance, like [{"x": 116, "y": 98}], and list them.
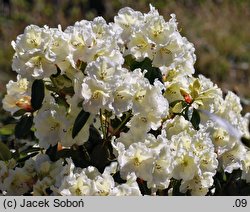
[
  {"x": 195, "y": 120},
  {"x": 80, "y": 121},
  {"x": 19, "y": 113},
  {"x": 23, "y": 126},
  {"x": 5, "y": 153},
  {"x": 245, "y": 141},
  {"x": 37, "y": 94}
]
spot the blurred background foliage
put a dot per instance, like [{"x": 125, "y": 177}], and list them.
[{"x": 219, "y": 29}]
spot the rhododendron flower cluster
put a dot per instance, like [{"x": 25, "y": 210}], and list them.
[{"x": 114, "y": 109}]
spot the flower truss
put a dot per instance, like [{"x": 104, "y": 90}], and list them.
[{"x": 114, "y": 109}]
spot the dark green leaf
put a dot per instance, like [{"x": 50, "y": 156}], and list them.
[
  {"x": 122, "y": 121},
  {"x": 51, "y": 88},
  {"x": 185, "y": 113},
  {"x": 245, "y": 141},
  {"x": 195, "y": 120},
  {"x": 30, "y": 150},
  {"x": 152, "y": 72},
  {"x": 143, "y": 187},
  {"x": 37, "y": 94},
  {"x": 83, "y": 66},
  {"x": 19, "y": 113},
  {"x": 117, "y": 177},
  {"x": 5, "y": 153},
  {"x": 94, "y": 135},
  {"x": 129, "y": 60},
  {"x": 68, "y": 90},
  {"x": 52, "y": 152},
  {"x": 7, "y": 129},
  {"x": 61, "y": 101},
  {"x": 64, "y": 153},
  {"x": 80, "y": 103},
  {"x": 61, "y": 81},
  {"x": 80, "y": 121},
  {"x": 176, "y": 188},
  {"x": 80, "y": 157},
  {"x": 94, "y": 139},
  {"x": 58, "y": 72},
  {"x": 23, "y": 159},
  {"x": 23, "y": 127},
  {"x": 100, "y": 157},
  {"x": 224, "y": 176}
]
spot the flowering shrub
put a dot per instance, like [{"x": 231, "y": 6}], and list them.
[{"x": 114, "y": 109}]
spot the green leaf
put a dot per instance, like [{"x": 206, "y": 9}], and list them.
[
  {"x": 23, "y": 127},
  {"x": 61, "y": 81},
  {"x": 58, "y": 72},
  {"x": 129, "y": 60},
  {"x": 23, "y": 159},
  {"x": 7, "y": 129},
  {"x": 52, "y": 152},
  {"x": 152, "y": 72},
  {"x": 100, "y": 156},
  {"x": 224, "y": 176},
  {"x": 19, "y": 113},
  {"x": 37, "y": 94},
  {"x": 245, "y": 141},
  {"x": 80, "y": 121},
  {"x": 51, "y": 88},
  {"x": 80, "y": 157},
  {"x": 61, "y": 101},
  {"x": 176, "y": 188},
  {"x": 185, "y": 112},
  {"x": 195, "y": 120},
  {"x": 143, "y": 187},
  {"x": 5, "y": 153},
  {"x": 83, "y": 66},
  {"x": 64, "y": 153},
  {"x": 30, "y": 150},
  {"x": 68, "y": 91}
]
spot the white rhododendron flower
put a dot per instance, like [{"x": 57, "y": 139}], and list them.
[
  {"x": 162, "y": 170},
  {"x": 199, "y": 185},
  {"x": 32, "y": 40},
  {"x": 59, "y": 49},
  {"x": 96, "y": 95},
  {"x": 18, "y": 95},
  {"x": 31, "y": 59},
  {"x": 114, "y": 109},
  {"x": 185, "y": 166},
  {"x": 150, "y": 36},
  {"x": 90, "y": 181},
  {"x": 18, "y": 182},
  {"x": 232, "y": 159},
  {"x": 130, "y": 188},
  {"x": 128, "y": 20},
  {"x": 137, "y": 158},
  {"x": 55, "y": 126},
  {"x": 41, "y": 186},
  {"x": 177, "y": 125}
]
